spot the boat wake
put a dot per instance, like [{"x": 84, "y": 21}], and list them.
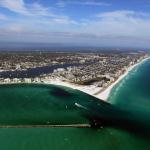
[{"x": 80, "y": 106}]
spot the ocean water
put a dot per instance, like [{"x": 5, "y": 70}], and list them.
[
  {"x": 132, "y": 94},
  {"x": 122, "y": 125}
]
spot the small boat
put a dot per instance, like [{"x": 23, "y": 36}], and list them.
[{"x": 80, "y": 106}]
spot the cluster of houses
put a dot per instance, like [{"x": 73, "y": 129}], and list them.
[
  {"x": 100, "y": 73},
  {"x": 20, "y": 80}
]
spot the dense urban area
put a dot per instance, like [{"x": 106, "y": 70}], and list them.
[{"x": 84, "y": 68}]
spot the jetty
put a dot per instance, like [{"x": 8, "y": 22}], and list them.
[{"x": 47, "y": 126}]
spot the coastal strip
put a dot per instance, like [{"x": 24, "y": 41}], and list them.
[
  {"x": 106, "y": 92},
  {"x": 98, "y": 92}
]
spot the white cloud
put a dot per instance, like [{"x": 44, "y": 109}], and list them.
[
  {"x": 35, "y": 11},
  {"x": 116, "y": 14},
  {"x": 122, "y": 15},
  {"x": 3, "y": 17},
  {"x": 121, "y": 27},
  {"x": 20, "y": 7},
  {"x": 14, "y": 5},
  {"x": 63, "y": 20},
  {"x": 119, "y": 23},
  {"x": 85, "y": 3}
]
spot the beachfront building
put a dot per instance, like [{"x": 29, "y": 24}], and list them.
[
  {"x": 16, "y": 80},
  {"x": 7, "y": 80},
  {"x": 27, "y": 80},
  {"x": 37, "y": 80}
]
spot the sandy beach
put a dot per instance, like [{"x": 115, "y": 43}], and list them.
[
  {"x": 92, "y": 89},
  {"x": 105, "y": 94}
]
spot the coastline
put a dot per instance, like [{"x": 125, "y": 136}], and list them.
[
  {"x": 105, "y": 94},
  {"x": 92, "y": 89}
]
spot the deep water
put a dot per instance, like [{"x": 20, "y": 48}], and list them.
[{"x": 122, "y": 125}]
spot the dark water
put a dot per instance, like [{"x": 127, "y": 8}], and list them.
[
  {"x": 33, "y": 72},
  {"x": 124, "y": 125},
  {"x": 47, "y": 104}
]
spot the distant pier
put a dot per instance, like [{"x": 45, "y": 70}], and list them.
[{"x": 47, "y": 126}]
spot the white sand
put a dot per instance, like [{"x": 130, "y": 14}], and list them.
[
  {"x": 105, "y": 94},
  {"x": 92, "y": 89},
  {"x": 1, "y": 70}
]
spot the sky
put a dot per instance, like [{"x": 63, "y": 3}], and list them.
[{"x": 122, "y": 23}]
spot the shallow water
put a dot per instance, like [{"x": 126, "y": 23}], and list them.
[
  {"x": 46, "y": 104},
  {"x": 132, "y": 94}
]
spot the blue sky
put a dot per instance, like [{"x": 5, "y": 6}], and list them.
[{"x": 78, "y": 22}]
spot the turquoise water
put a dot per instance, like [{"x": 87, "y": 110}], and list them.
[
  {"x": 124, "y": 125},
  {"x": 26, "y": 104},
  {"x": 132, "y": 94}
]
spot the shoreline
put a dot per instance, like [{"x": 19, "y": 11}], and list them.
[
  {"x": 91, "y": 89},
  {"x": 105, "y": 94}
]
